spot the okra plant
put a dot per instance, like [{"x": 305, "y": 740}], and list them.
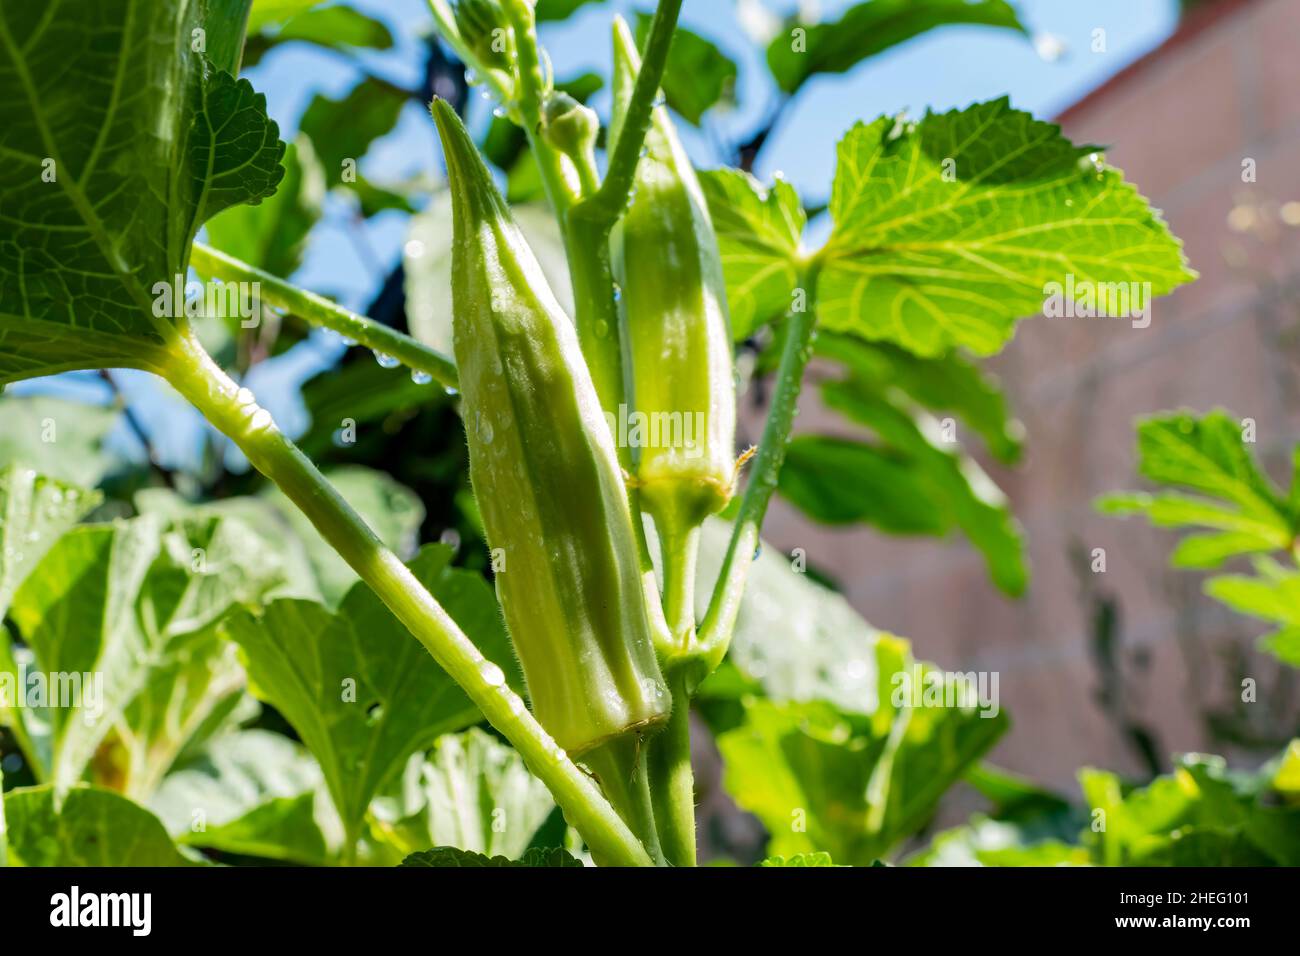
[{"x": 946, "y": 230}]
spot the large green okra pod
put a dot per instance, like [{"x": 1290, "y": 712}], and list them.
[
  {"x": 678, "y": 341},
  {"x": 546, "y": 477}
]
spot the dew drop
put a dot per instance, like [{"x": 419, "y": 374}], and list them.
[
  {"x": 261, "y": 418},
  {"x": 471, "y": 78},
  {"x": 385, "y": 360},
  {"x": 420, "y": 377},
  {"x": 492, "y": 675},
  {"x": 758, "y": 549},
  {"x": 244, "y": 397},
  {"x": 348, "y": 343},
  {"x": 499, "y": 112},
  {"x": 618, "y": 292}
]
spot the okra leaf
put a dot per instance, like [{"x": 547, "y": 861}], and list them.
[
  {"x": 986, "y": 842},
  {"x": 252, "y": 793},
  {"x": 91, "y": 827},
  {"x": 759, "y": 231},
  {"x": 360, "y": 693},
  {"x": 471, "y": 792},
  {"x": 60, "y": 439},
  {"x": 121, "y": 658},
  {"x": 697, "y": 77},
  {"x": 801, "y": 50},
  {"x": 334, "y": 28},
  {"x": 799, "y": 859},
  {"x": 949, "y": 229},
  {"x": 817, "y": 777},
  {"x": 910, "y": 480},
  {"x": 1241, "y": 510},
  {"x": 950, "y": 383},
  {"x": 1233, "y": 498},
  {"x": 453, "y": 857},
  {"x": 35, "y": 510},
  {"x": 119, "y": 141},
  {"x": 267, "y": 519},
  {"x": 266, "y": 12},
  {"x": 272, "y": 235},
  {"x": 1273, "y": 595},
  {"x": 837, "y": 481},
  {"x": 914, "y": 487},
  {"x": 1200, "y": 815},
  {"x": 794, "y": 640},
  {"x": 343, "y": 129},
  {"x": 811, "y": 719}
]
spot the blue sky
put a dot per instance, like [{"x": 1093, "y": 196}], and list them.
[{"x": 948, "y": 68}]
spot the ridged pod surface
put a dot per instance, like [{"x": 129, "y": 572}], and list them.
[
  {"x": 546, "y": 476},
  {"x": 674, "y": 310}
]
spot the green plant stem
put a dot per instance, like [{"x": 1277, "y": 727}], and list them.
[
  {"x": 720, "y": 621},
  {"x": 316, "y": 310},
  {"x": 672, "y": 782},
  {"x": 558, "y": 175},
  {"x": 234, "y": 412},
  {"x": 620, "y": 765}
]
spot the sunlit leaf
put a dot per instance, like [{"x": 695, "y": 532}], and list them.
[
  {"x": 950, "y": 229},
  {"x": 91, "y": 828},
  {"x": 697, "y": 77},
  {"x": 759, "y": 231},
  {"x": 471, "y": 792},
  {"x": 119, "y": 143},
  {"x": 360, "y": 692},
  {"x": 866, "y": 29}
]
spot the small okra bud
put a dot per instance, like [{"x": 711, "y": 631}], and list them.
[
  {"x": 546, "y": 476},
  {"x": 569, "y": 126},
  {"x": 484, "y": 26}
]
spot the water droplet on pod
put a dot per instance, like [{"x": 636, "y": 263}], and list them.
[{"x": 385, "y": 360}]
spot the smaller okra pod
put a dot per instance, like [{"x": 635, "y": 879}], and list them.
[{"x": 546, "y": 477}]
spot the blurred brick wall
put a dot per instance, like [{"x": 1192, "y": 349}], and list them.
[{"x": 1224, "y": 88}]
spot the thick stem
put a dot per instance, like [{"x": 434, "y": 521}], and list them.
[
  {"x": 672, "y": 782},
  {"x": 233, "y": 411},
  {"x": 621, "y": 767},
  {"x": 720, "y": 621},
  {"x": 316, "y": 310}
]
